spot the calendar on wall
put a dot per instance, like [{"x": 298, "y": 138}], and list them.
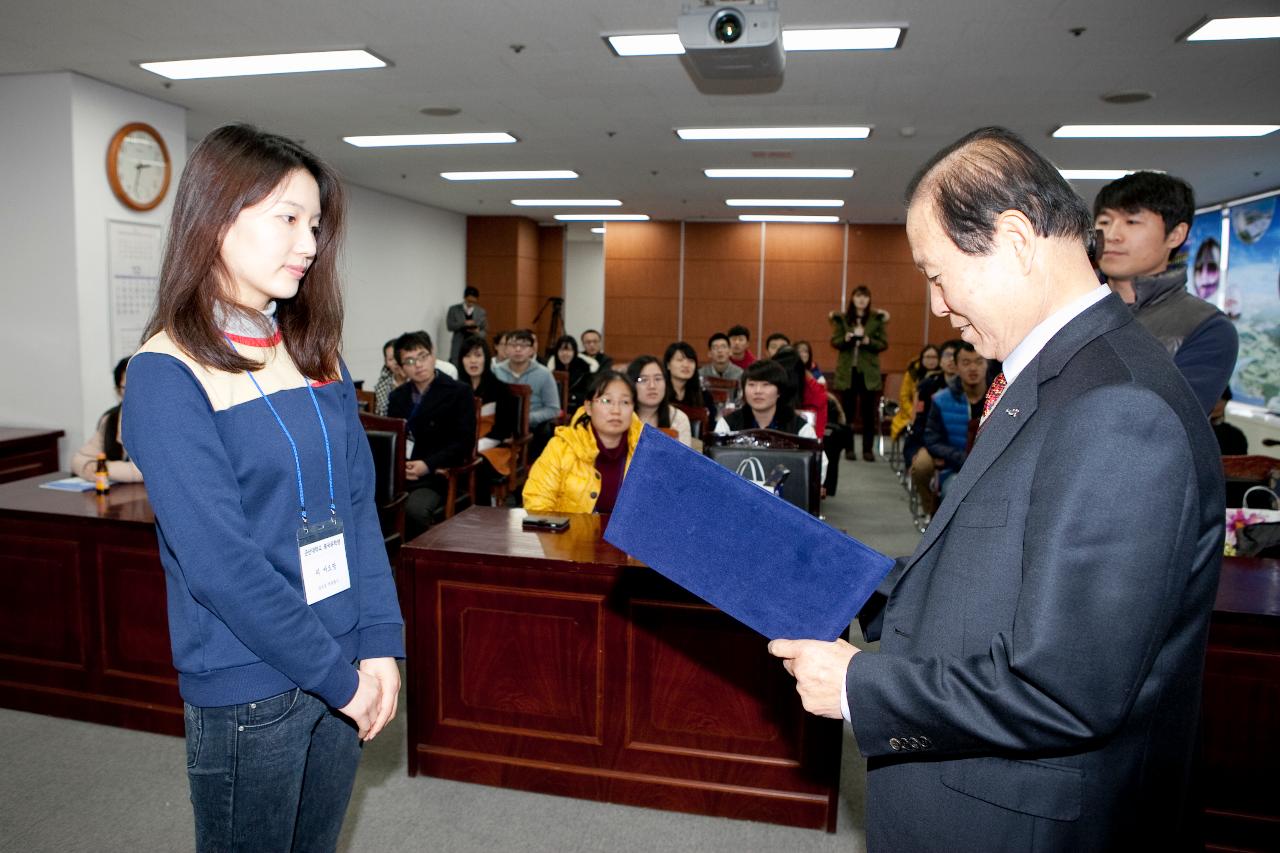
[{"x": 133, "y": 267}]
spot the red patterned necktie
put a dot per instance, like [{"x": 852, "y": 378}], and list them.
[{"x": 993, "y": 394}]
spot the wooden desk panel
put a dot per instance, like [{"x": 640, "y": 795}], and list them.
[
  {"x": 554, "y": 663},
  {"x": 83, "y": 600},
  {"x": 27, "y": 452},
  {"x": 1240, "y": 732}
]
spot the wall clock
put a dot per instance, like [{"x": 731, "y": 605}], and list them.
[{"x": 138, "y": 166}]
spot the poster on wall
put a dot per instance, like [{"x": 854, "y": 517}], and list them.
[
  {"x": 1253, "y": 296},
  {"x": 1202, "y": 253},
  {"x": 133, "y": 270}
]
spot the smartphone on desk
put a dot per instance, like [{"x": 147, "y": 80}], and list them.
[{"x": 546, "y": 523}]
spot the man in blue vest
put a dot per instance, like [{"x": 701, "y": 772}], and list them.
[{"x": 954, "y": 411}]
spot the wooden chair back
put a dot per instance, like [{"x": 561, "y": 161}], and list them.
[
  {"x": 562, "y": 384},
  {"x": 365, "y": 400},
  {"x": 519, "y": 445},
  {"x": 387, "y": 443},
  {"x": 699, "y": 418},
  {"x": 722, "y": 390}
]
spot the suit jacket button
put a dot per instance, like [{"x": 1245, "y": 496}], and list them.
[
  {"x": 925, "y": 743},
  {"x": 593, "y": 494},
  {"x": 895, "y": 744},
  {"x": 915, "y": 743}
]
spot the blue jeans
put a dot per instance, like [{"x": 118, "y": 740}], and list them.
[{"x": 272, "y": 775}]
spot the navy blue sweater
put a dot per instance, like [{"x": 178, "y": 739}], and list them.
[{"x": 222, "y": 481}]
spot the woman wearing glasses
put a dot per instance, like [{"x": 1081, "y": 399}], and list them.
[
  {"x": 582, "y": 467},
  {"x": 653, "y": 398}
]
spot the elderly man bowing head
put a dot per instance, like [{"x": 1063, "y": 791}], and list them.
[{"x": 1038, "y": 678}]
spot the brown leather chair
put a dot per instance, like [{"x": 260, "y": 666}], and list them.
[
  {"x": 722, "y": 390},
  {"x": 387, "y": 442},
  {"x": 514, "y": 481},
  {"x": 365, "y": 400}
]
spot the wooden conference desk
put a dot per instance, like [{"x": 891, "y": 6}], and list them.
[
  {"x": 27, "y": 452},
  {"x": 554, "y": 663},
  {"x": 82, "y": 604}
]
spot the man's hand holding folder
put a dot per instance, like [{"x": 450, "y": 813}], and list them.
[{"x": 819, "y": 670}]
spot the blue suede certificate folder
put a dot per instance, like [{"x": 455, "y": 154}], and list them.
[{"x": 768, "y": 564}]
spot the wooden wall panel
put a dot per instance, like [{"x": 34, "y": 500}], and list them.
[
  {"x": 642, "y": 287},
  {"x": 505, "y": 261},
  {"x": 880, "y": 257},
  {"x": 804, "y": 269},
  {"x": 803, "y": 265}
]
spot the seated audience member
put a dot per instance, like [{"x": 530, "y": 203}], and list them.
[
  {"x": 1144, "y": 218},
  {"x": 1231, "y": 439},
  {"x": 775, "y": 342},
  {"x": 389, "y": 378},
  {"x": 952, "y": 420},
  {"x": 653, "y": 396},
  {"x": 566, "y": 358},
  {"x": 591, "y": 347},
  {"x": 720, "y": 366},
  {"x": 804, "y": 349},
  {"x": 441, "y": 417},
  {"x": 474, "y": 364},
  {"x": 768, "y": 394},
  {"x": 583, "y": 465},
  {"x": 928, "y": 386},
  {"x": 686, "y": 383},
  {"x": 920, "y": 368},
  {"x": 740, "y": 346},
  {"x": 106, "y": 439},
  {"x": 808, "y": 394},
  {"x": 499, "y": 348},
  {"x": 544, "y": 398}
]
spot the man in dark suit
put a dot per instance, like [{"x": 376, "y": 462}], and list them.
[
  {"x": 1038, "y": 680},
  {"x": 441, "y": 415},
  {"x": 465, "y": 319}
]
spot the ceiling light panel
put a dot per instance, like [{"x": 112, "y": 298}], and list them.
[
  {"x": 778, "y": 173},
  {"x": 777, "y": 217},
  {"x": 416, "y": 139},
  {"x": 1094, "y": 174},
  {"x": 1231, "y": 29},
  {"x": 602, "y": 217},
  {"x": 853, "y": 38},
  {"x": 650, "y": 44},
  {"x": 1161, "y": 131},
  {"x": 272, "y": 63},
  {"x": 566, "y": 202},
  {"x": 784, "y": 202},
  {"x": 732, "y": 133},
  {"x": 512, "y": 175}
]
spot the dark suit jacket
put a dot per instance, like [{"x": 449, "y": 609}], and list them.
[
  {"x": 443, "y": 424},
  {"x": 1038, "y": 682}
]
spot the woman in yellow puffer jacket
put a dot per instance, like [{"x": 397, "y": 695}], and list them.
[{"x": 582, "y": 467}]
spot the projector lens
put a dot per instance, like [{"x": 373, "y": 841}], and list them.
[{"x": 727, "y": 26}]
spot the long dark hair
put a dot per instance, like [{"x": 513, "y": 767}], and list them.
[
  {"x": 638, "y": 364},
  {"x": 469, "y": 344},
  {"x": 851, "y": 313},
  {"x": 234, "y": 167},
  {"x": 599, "y": 382},
  {"x": 693, "y": 395},
  {"x": 796, "y": 374}
]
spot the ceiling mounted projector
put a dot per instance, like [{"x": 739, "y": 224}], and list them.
[{"x": 725, "y": 40}]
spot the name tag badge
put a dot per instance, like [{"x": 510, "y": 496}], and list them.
[{"x": 322, "y": 550}]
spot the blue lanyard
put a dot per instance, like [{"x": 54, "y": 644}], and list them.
[{"x": 297, "y": 463}]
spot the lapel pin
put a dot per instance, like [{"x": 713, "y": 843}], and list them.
[{"x": 1013, "y": 413}]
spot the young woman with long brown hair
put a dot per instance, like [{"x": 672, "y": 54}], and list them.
[{"x": 282, "y": 609}]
